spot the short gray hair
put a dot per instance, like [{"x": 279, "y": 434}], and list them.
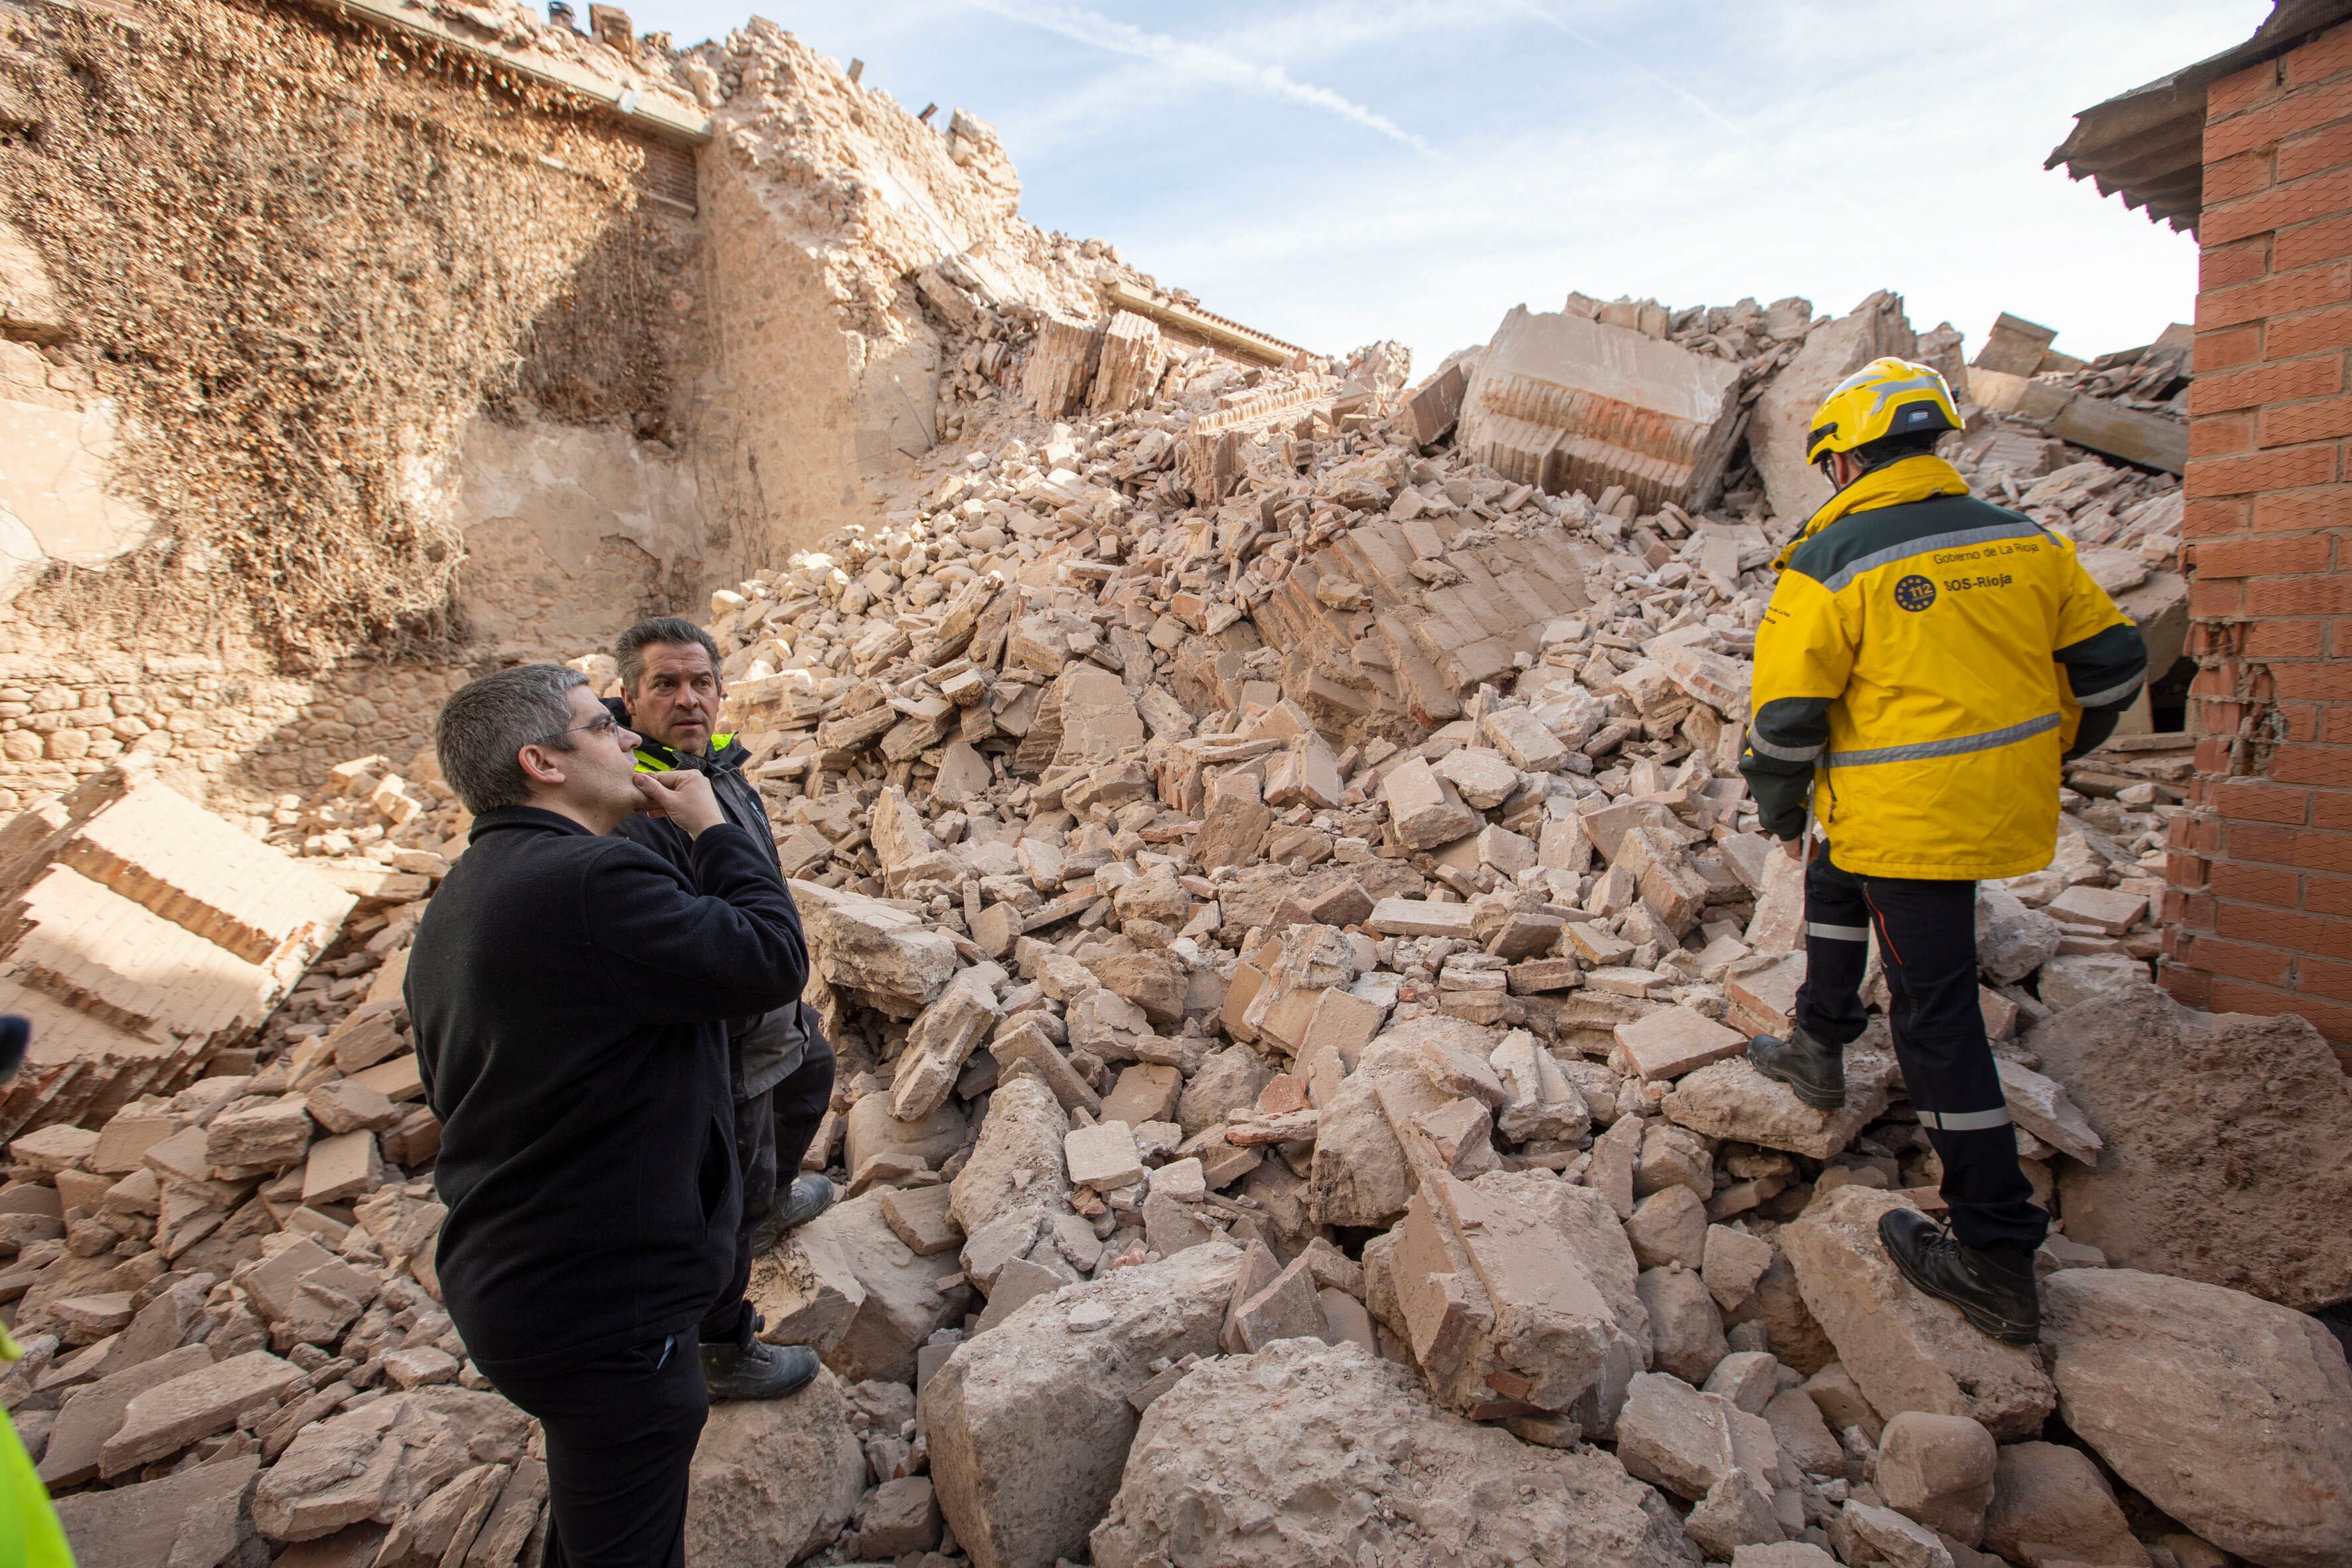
[
  {"x": 629, "y": 648},
  {"x": 488, "y": 721}
]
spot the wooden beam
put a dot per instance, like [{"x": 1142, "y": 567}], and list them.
[
  {"x": 1204, "y": 325},
  {"x": 662, "y": 114}
]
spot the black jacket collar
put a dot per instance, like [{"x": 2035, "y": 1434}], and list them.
[{"x": 510, "y": 818}]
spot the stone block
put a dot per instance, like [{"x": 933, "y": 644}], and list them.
[
  {"x": 1102, "y": 1156},
  {"x": 1673, "y": 1041},
  {"x": 1284, "y": 1308},
  {"x": 1029, "y": 1043},
  {"x": 2051, "y": 1506},
  {"x": 1905, "y": 1351},
  {"x": 269, "y": 1136},
  {"x": 1519, "y": 1290},
  {"x": 772, "y": 1480},
  {"x": 1669, "y": 1226},
  {"x": 1028, "y": 1425},
  {"x": 869, "y": 1129},
  {"x": 1017, "y": 1162},
  {"x": 1193, "y": 1493},
  {"x": 1729, "y": 1099},
  {"x": 2166, "y": 1378},
  {"x": 888, "y": 958},
  {"x": 1423, "y": 808},
  {"x": 1673, "y": 1435},
  {"x": 191, "y": 1519},
  {"x": 918, "y": 1216},
  {"x": 2072, "y": 979},
  {"x": 1685, "y": 1331},
  {"x": 1732, "y": 1262},
  {"x": 1939, "y": 1470},
  {"x": 1145, "y": 1092},
  {"x": 1422, "y": 917},
  {"x": 92, "y": 1413},
  {"x": 1567, "y": 403},
  {"x": 161, "y": 1420},
  {"x": 945, "y": 1032},
  {"x": 341, "y": 1167},
  {"x": 2223, "y": 1145}
]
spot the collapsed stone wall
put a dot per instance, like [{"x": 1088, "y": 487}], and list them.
[
  {"x": 324, "y": 346},
  {"x": 316, "y": 349},
  {"x": 841, "y": 231}
]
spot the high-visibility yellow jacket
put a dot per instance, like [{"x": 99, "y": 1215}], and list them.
[
  {"x": 30, "y": 1536},
  {"x": 1925, "y": 660}
]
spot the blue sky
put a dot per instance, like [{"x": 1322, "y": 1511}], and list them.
[{"x": 1338, "y": 172}]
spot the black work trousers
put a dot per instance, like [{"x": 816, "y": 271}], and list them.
[
  {"x": 1928, "y": 948},
  {"x": 621, "y": 1431},
  {"x": 773, "y": 1130}
]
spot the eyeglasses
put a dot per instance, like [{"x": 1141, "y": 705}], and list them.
[{"x": 602, "y": 725}]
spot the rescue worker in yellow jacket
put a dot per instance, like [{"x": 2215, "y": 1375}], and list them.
[{"x": 1927, "y": 661}]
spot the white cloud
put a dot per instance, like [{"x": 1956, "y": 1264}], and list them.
[
  {"x": 1337, "y": 171},
  {"x": 1204, "y": 63}
]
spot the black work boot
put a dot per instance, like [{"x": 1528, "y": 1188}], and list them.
[
  {"x": 750, "y": 1369},
  {"x": 1994, "y": 1289},
  {"x": 1815, "y": 1071},
  {"x": 806, "y": 1198}
]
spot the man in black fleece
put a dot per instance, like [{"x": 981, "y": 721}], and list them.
[
  {"x": 571, "y": 992},
  {"x": 671, "y": 691}
]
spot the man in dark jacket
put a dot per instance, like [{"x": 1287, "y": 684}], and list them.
[
  {"x": 783, "y": 1067},
  {"x": 571, "y": 993}
]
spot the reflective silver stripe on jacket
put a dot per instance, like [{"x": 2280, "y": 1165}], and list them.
[
  {"x": 1782, "y": 753},
  {"x": 1934, "y": 542},
  {"x": 1837, "y": 933},
  {"x": 2112, "y": 694},
  {"x": 1964, "y": 1120},
  {"x": 1957, "y": 745}
]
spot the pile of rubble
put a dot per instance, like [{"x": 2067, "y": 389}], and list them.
[{"x": 1283, "y": 898}]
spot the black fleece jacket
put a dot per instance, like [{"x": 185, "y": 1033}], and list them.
[{"x": 570, "y": 995}]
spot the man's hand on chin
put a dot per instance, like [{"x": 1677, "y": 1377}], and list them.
[{"x": 685, "y": 796}]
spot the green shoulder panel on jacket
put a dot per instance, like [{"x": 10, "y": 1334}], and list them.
[{"x": 1868, "y": 540}]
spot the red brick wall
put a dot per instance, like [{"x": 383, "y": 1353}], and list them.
[{"x": 2260, "y": 907}]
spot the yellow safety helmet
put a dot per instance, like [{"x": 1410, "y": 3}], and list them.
[{"x": 1885, "y": 398}]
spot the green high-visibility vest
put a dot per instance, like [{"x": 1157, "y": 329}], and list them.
[{"x": 30, "y": 1536}]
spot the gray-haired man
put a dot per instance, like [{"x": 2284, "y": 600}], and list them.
[{"x": 671, "y": 691}]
